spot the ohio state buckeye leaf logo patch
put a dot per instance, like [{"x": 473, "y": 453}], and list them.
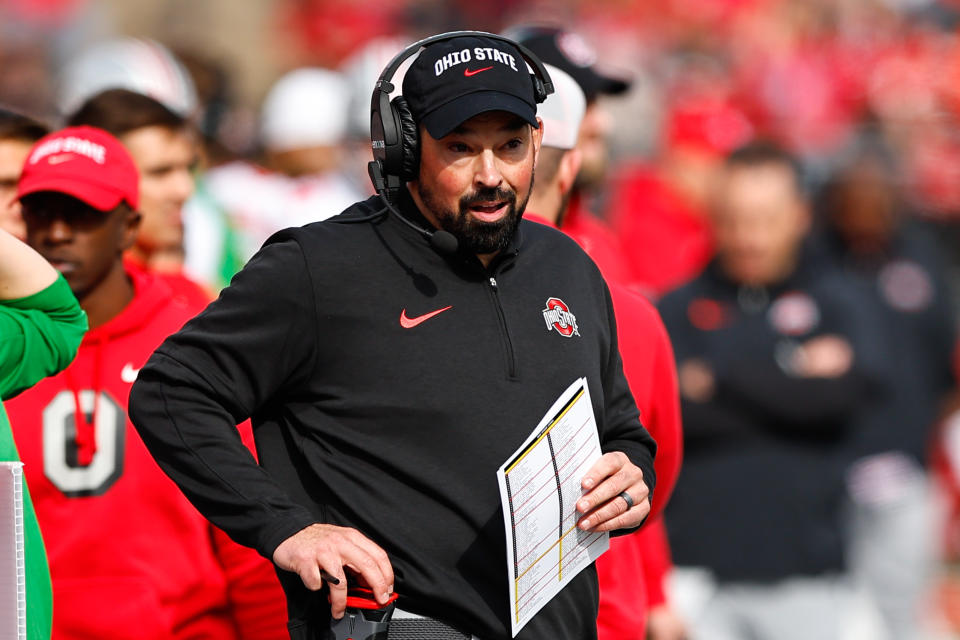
[{"x": 559, "y": 318}]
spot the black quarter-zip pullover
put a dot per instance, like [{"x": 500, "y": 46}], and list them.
[
  {"x": 386, "y": 384},
  {"x": 760, "y": 496}
]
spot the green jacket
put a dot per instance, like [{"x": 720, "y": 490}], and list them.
[{"x": 39, "y": 336}]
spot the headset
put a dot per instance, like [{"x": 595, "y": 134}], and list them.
[{"x": 394, "y": 136}]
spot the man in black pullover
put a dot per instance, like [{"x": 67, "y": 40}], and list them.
[
  {"x": 388, "y": 380},
  {"x": 776, "y": 358}
]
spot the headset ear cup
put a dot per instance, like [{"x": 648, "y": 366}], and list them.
[{"x": 409, "y": 140}]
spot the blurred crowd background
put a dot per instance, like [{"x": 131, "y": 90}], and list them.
[
  {"x": 865, "y": 94},
  {"x": 815, "y": 75},
  {"x": 810, "y": 73}
]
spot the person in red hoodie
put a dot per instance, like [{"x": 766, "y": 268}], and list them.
[
  {"x": 659, "y": 211},
  {"x": 632, "y": 597},
  {"x": 130, "y": 557}
]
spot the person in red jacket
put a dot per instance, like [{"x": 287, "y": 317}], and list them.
[
  {"x": 632, "y": 572},
  {"x": 659, "y": 211},
  {"x": 130, "y": 557}
]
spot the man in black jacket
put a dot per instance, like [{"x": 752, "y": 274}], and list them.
[
  {"x": 775, "y": 359},
  {"x": 388, "y": 380}
]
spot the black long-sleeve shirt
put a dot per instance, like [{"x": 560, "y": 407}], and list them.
[
  {"x": 396, "y": 431},
  {"x": 760, "y": 495}
]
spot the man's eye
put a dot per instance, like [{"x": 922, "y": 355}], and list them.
[
  {"x": 459, "y": 147},
  {"x": 516, "y": 143}
]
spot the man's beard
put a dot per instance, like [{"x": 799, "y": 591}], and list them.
[{"x": 476, "y": 236}]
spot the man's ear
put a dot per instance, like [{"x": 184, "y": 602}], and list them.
[
  {"x": 568, "y": 170},
  {"x": 537, "y": 137},
  {"x": 422, "y": 135},
  {"x": 129, "y": 227}
]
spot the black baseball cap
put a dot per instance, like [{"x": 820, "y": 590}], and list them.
[
  {"x": 454, "y": 80},
  {"x": 568, "y": 51}
]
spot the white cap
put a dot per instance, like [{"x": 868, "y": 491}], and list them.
[
  {"x": 361, "y": 70},
  {"x": 143, "y": 66},
  {"x": 305, "y": 108},
  {"x": 562, "y": 111}
]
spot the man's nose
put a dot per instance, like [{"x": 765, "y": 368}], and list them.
[
  {"x": 58, "y": 231},
  {"x": 488, "y": 172},
  {"x": 181, "y": 185}
]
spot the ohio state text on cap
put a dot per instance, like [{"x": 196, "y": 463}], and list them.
[
  {"x": 84, "y": 162},
  {"x": 452, "y": 81}
]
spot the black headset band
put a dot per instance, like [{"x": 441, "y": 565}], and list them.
[{"x": 384, "y": 84}]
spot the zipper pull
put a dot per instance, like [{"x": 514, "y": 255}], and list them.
[{"x": 493, "y": 282}]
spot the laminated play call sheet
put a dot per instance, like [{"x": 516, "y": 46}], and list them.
[{"x": 539, "y": 489}]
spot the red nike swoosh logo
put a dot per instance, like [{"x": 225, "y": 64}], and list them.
[
  {"x": 410, "y": 323},
  {"x": 469, "y": 73}
]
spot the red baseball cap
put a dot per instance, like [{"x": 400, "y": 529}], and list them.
[
  {"x": 84, "y": 162},
  {"x": 712, "y": 127}
]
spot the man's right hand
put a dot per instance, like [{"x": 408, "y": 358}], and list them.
[{"x": 331, "y": 548}]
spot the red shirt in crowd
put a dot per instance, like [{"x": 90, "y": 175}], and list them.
[
  {"x": 664, "y": 239},
  {"x": 597, "y": 239},
  {"x": 651, "y": 373}
]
